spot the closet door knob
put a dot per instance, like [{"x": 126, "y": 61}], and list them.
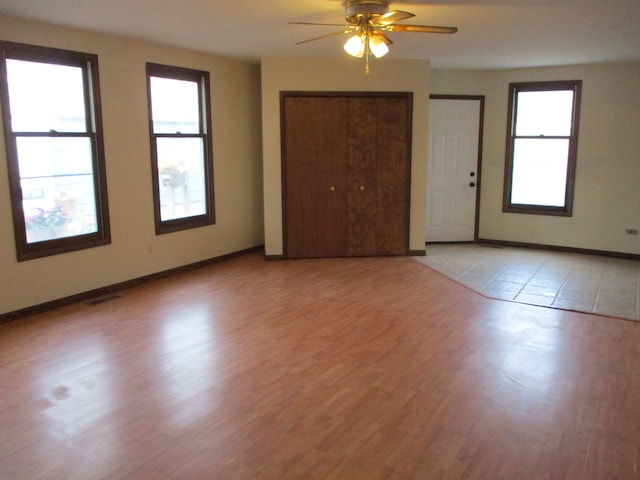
[
  {"x": 361, "y": 187},
  {"x": 332, "y": 188}
]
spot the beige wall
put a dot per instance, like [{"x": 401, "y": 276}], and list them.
[
  {"x": 136, "y": 250},
  {"x": 279, "y": 74},
  {"x": 607, "y": 192},
  {"x": 607, "y": 198}
]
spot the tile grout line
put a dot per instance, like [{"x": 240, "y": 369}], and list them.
[
  {"x": 564, "y": 282},
  {"x": 526, "y": 283},
  {"x": 555, "y": 296},
  {"x": 494, "y": 276},
  {"x": 523, "y": 286},
  {"x": 541, "y": 263},
  {"x": 595, "y": 304},
  {"x": 573, "y": 270}
]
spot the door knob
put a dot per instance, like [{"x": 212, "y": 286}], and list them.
[
  {"x": 472, "y": 184},
  {"x": 361, "y": 187},
  {"x": 332, "y": 188}
]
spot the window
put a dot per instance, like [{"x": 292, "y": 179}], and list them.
[
  {"x": 181, "y": 159},
  {"x": 55, "y": 151},
  {"x": 541, "y": 147}
]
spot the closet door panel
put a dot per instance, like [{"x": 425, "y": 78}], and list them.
[
  {"x": 315, "y": 176},
  {"x": 393, "y": 172},
  {"x": 362, "y": 202}
]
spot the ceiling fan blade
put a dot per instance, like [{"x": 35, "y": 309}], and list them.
[
  {"x": 322, "y": 24},
  {"x": 419, "y": 28},
  {"x": 342, "y": 32},
  {"x": 386, "y": 39},
  {"x": 393, "y": 16}
]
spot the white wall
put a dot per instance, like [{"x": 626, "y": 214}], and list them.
[
  {"x": 279, "y": 74},
  {"x": 136, "y": 250},
  {"x": 607, "y": 190}
]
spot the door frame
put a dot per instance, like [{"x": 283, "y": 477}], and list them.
[{"x": 480, "y": 99}]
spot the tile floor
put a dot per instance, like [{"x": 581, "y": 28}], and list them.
[{"x": 571, "y": 281}]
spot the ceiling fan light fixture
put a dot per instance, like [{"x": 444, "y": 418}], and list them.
[
  {"x": 355, "y": 46},
  {"x": 355, "y": 10},
  {"x": 378, "y": 46},
  {"x": 368, "y": 21}
]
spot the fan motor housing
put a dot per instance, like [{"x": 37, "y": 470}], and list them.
[{"x": 355, "y": 9}]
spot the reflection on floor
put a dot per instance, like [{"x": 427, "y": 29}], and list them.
[{"x": 571, "y": 281}]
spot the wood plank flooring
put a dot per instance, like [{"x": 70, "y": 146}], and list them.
[{"x": 365, "y": 368}]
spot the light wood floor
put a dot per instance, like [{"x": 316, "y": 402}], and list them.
[{"x": 373, "y": 368}]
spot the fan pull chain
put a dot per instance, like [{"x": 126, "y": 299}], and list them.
[{"x": 367, "y": 52}]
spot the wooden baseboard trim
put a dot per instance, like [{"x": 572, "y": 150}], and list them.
[
  {"x": 465, "y": 242},
  {"x": 111, "y": 289},
  {"x": 586, "y": 251},
  {"x": 411, "y": 253}
]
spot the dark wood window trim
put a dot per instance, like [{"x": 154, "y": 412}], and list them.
[
  {"x": 202, "y": 79},
  {"x": 89, "y": 65},
  {"x": 514, "y": 89}
]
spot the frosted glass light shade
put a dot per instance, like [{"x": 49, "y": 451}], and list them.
[
  {"x": 355, "y": 46},
  {"x": 378, "y": 46}
]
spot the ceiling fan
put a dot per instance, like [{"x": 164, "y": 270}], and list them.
[{"x": 368, "y": 20}]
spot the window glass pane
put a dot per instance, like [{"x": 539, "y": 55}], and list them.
[
  {"x": 175, "y": 106},
  {"x": 181, "y": 177},
  {"x": 539, "y": 172},
  {"x": 544, "y": 113},
  {"x": 46, "y": 97},
  {"x": 56, "y": 177}
]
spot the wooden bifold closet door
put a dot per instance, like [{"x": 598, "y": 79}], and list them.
[{"x": 346, "y": 173}]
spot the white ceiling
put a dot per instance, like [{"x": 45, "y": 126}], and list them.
[{"x": 492, "y": 33}]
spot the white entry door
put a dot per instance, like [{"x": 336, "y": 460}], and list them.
[{"x": 452, "y": 181}]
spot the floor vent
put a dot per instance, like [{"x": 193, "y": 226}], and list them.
[{"x": 98, "y": 301}]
